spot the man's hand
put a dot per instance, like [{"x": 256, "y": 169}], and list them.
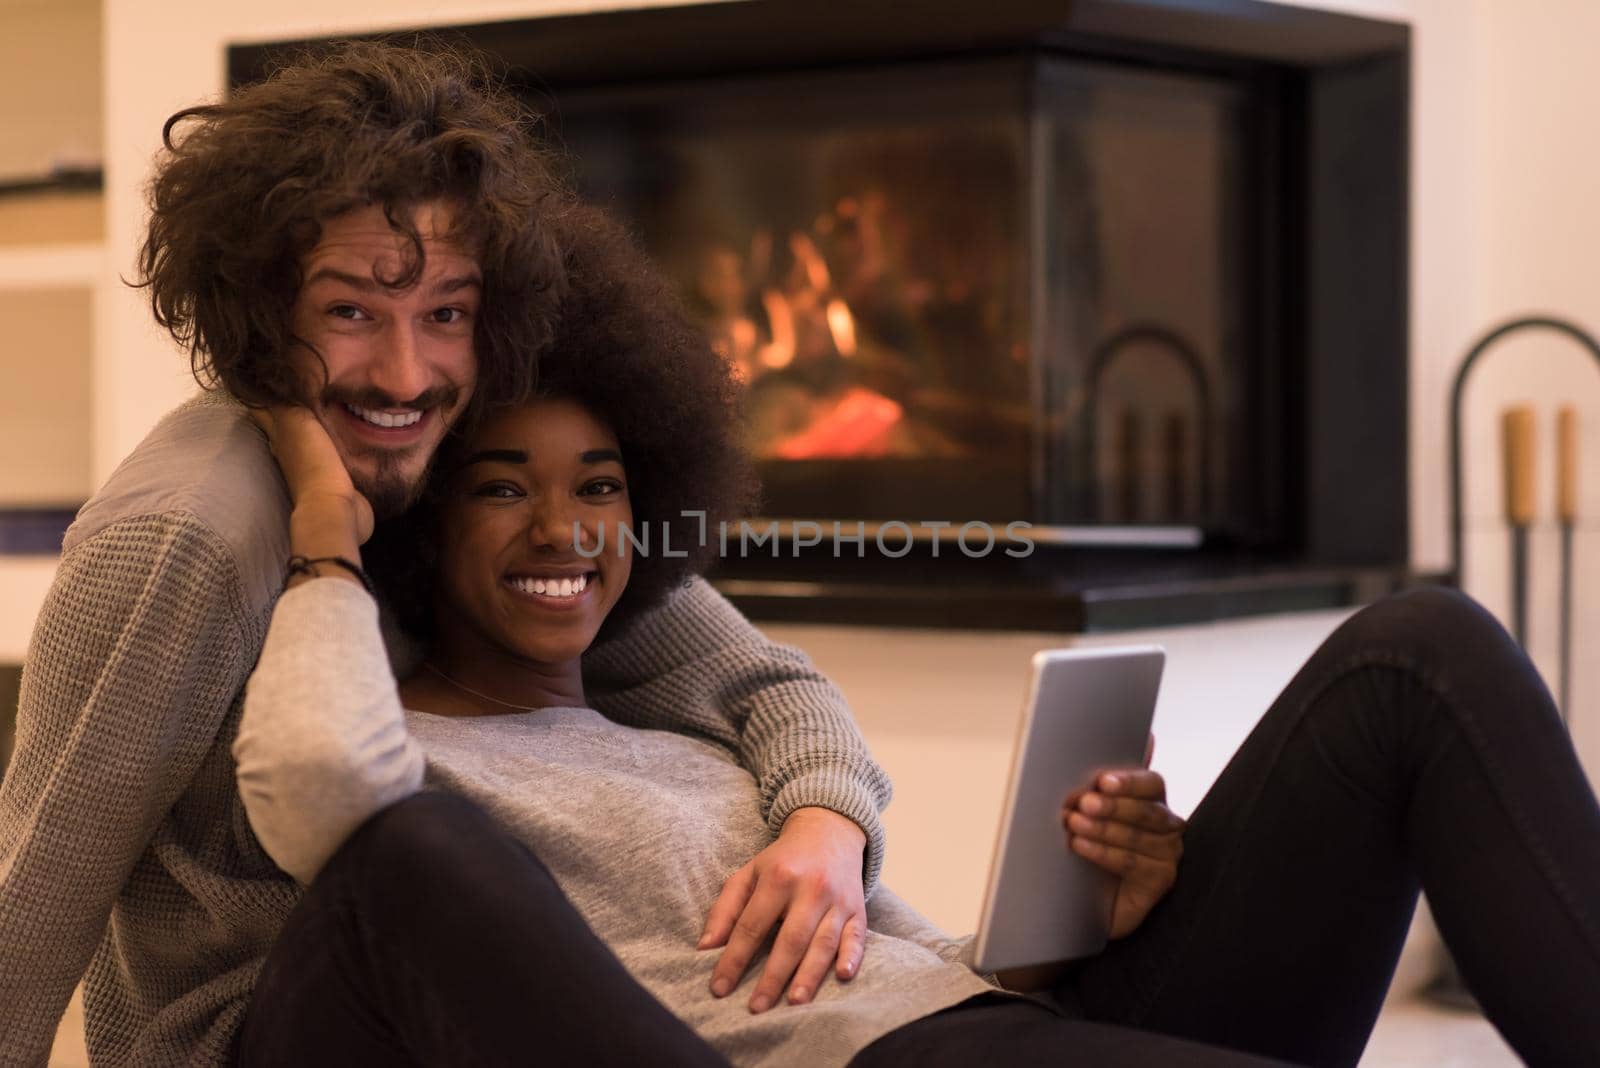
[
  {"x": 1124, "y": 826},
  {"x": 811, "y": 879}
]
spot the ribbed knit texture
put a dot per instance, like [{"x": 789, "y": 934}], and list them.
[
  {"x": 120, "y": 803},
  {"x": 699, "y": 668}
]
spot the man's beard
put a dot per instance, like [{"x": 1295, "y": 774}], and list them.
[{"x": 386, "y": 488}]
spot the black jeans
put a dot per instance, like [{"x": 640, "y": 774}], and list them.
[{"x": 1416, "y": 747}]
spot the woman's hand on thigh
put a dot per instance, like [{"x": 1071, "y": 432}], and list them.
[
  {"x": 1124, "y": 825},
  {"x": 810, "y": 879}
]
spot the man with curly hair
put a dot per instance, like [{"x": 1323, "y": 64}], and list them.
[{"x": 374, "y": 234}]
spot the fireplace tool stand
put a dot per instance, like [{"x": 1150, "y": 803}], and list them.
[
  {"x": 1174, "y": 435},
  {"x": 1518, "y": 460}
]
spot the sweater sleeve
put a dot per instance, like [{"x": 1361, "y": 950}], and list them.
[
  {"x": 696, "y": 666},
  {"x": 322, "y": 744},
  {"x": 135, "y": 660}
]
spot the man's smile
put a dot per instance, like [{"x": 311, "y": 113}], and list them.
[
  {"x": 390, "y": 419},
  {"x": 386, "y": 428}
]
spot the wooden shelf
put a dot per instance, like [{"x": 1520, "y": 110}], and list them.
[{"x": 51, "y": 266}]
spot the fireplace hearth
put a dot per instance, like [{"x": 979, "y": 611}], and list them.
[{"x": 1129, "y": 273}]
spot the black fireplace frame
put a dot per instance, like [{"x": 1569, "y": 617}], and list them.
[{"x": 1339, "y": 306}]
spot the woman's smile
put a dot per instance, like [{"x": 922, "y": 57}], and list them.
[{"x": 553, "y": 592}]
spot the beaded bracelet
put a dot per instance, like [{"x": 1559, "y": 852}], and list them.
[{"x": 302, "y": 565}]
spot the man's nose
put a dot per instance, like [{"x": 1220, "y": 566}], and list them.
[{"x": 400, "y": 368}]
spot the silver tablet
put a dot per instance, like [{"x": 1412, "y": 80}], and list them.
[{"x": 1088, "y": 711}]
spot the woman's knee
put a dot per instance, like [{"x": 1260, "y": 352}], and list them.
[
  {"x": 1436, "y": 612},
  {"x": 430, "y": 847},
  {"x": 1448, "y": 643},
  {"x": 1433, "y": 629}
]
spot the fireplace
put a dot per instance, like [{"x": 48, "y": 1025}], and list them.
[{"x": 1129, "y": 275}]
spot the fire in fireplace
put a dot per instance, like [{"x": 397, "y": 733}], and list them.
[{"x": 1003, "y": 289}]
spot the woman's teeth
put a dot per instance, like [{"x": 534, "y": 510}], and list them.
[
  {"x": 564, "y": 587},
  {"x": 384, "y": 419}
]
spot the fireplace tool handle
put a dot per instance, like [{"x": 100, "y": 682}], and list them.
[
  {"x": 1567, "y": 516},
  {"x": 1517, "y": 444}
]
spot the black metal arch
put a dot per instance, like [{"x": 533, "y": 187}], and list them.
[
  {"x": 1458, "y": 392},
  {"x": 1100, "y": 361}
]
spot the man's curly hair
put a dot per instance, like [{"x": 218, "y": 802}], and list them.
[
  {"x": 243, "y": 187},
  {"x": 626, "y": 351}
]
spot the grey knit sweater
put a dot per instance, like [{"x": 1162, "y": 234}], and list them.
[{"x": 124, "y": 846}]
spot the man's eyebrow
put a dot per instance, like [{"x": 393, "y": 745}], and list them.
[
  {"x": 368, "y": 284},
  {"x": 458, "y": 282},
  {"x": 365, "y": 283}
]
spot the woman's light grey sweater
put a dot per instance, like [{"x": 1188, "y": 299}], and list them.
[{"x": 640, "y": 827}]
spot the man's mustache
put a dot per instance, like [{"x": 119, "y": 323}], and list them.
[{"x": 434, "y": 397}]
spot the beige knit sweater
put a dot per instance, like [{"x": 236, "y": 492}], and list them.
[{"x": 124, "y": 846}]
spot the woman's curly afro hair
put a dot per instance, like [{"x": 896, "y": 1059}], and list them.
[{"x": 624, "y": 349}]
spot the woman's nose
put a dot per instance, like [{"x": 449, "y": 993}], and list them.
[{"x": 552, "y": 526}]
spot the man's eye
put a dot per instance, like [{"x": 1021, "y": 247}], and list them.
[
  {"x": 450, "y": 316},
  {"x": 346, "y": 311}
]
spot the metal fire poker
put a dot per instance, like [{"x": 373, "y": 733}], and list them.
[
  {"x": 1517, "y": 445},
  {"x": 1567, "y": 516}
]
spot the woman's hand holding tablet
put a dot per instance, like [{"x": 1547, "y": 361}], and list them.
[{"x": 1124, "y": 825}]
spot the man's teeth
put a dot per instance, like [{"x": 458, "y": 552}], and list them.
[
  {"x": 377, "y": 418},
  {"x": 564, "y": 587}
]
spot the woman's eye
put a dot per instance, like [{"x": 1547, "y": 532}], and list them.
[
  {"x": 498, "y": 490},
  {"x": 601, "y": 487}
]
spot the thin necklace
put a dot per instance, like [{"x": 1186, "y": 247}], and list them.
[{"x": 468, "y": 689}]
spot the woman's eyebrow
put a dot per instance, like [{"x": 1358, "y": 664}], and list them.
[
  {"x": 504, "y": 456},
  {"x": 599, "y": 456}
]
